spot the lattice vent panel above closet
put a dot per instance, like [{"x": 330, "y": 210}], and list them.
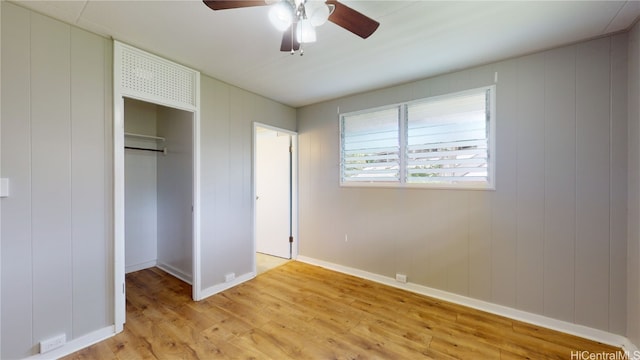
[{"x": 148, "y": 77}]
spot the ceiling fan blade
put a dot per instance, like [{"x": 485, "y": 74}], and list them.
[
  {"x": 289, "y": 41},
  {"x": 232, "y": 4},
  {"x": 352, "y": 20}
]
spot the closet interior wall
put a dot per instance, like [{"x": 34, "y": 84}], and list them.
[
  {"x": 158, "y": 189},
  {"x": 141, "y": 195}
]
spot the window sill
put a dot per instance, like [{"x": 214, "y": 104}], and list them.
[{"x": 388, "y": 185}]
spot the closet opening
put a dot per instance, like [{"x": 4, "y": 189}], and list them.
[
  {"x": 167, "y": 96},
  {"x": 158, "y": 189}
]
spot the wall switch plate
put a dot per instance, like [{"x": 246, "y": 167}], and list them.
[
  {"x": 4, "y": 187},
  {"x": 52, "y": 343},
  {"x": 229, "y": 277},
  {"x": 401, "y": 278}
]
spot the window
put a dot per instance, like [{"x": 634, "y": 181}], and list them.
[
  {"x": 371, "y": 147},
  {"x": 444, "y": 142}
]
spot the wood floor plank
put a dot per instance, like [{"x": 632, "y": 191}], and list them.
[
  {"x": 394, "y": 338},
  {"x": 566, "y": 340},
  {"x": 229, "y": 328},
  {"x": 299, "y": 311}
]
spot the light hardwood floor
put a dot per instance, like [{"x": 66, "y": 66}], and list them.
[
  {"x": 266, "y": 262},
  {"x": 299, "y": 311}
]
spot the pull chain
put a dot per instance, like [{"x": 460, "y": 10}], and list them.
[{"x": 292, "y": 51}]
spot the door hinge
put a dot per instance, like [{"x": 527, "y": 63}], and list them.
[
  {"x": 290, "y": 149},
  {"x": 290, "y": 239}
]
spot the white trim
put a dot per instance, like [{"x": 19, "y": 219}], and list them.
[
  {"x": 274, "y": 128},
  {"x": 294, "y": 190},
  {"x": 227, "y": 285},
  {"x": 433, "y": 186},
  {"x": 118, "y": 198},
  {"x": 77, "y": 344},
  {"x": 175, "y": 272},
  {"x": 163, "y": 103},
  {"x": 296, "y": 198},
  {"x": 140, "y": 266},
  {"x": 535, "y": 319},
  {"x": 195, "y": 272},
  {"x": 629, "y": 348}
]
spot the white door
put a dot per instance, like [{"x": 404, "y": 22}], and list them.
[{"x": 273, "y": 191}]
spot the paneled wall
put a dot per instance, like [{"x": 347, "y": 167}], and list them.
[
  {"x": 551, "y": 239},
  {"x": 633, "y": 246},
  {"x": 56, "y": 225},
  {"x": 56, "y": 129},
  {"x": 228, "y": 114}
]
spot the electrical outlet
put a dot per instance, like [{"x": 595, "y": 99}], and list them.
[
  {"x": 401, "y": 278},
  {"x": 52, "y": 343},
  {"x": 229, "y": 277},
  {"x": 4, "y": 188}
]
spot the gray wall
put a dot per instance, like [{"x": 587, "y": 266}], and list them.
[
  {"x": 175, "y": 193},
  {"x": 551, "y": 239},
  {"x": 633, "y": 246},
  {"x": 56, "y": 226},
  {"x": 56, "y": 147},
  {"x": 226, "y": 121},
  {"x": 140, "y": 187}
]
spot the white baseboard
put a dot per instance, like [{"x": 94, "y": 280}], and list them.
[
  {"x": 531, "y": 318},
  {"x": 174, "y": 271},
  {"x": 631, "y": 350},
  {"x": 77, "y": 344},
  {"x": 205, "y": 293},
  {"x": 141, "y": 266}
]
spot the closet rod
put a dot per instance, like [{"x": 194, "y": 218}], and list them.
[{"x": 164, "y": 151}]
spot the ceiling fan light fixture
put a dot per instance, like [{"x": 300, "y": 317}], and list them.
[
  {"x": 305, "y": 33},
  {"x": 318, "y": 12},
  {"x": 297, "y": 19},
  {"x": 281, "y": 15}
]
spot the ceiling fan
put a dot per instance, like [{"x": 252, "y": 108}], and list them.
[{"x": 298, "y": 18}]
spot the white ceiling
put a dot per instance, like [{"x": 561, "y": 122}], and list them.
[{"x": 416, "y": 39}]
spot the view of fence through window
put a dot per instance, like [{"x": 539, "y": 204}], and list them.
[
  {"x": 371, "y": 146},
  {"x": 448, "y": 139},
  {"x": 444, "y": 140}
]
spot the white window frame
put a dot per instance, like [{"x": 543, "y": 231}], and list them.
[{"x": 490, "y": 184}]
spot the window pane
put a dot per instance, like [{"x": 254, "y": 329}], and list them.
[
  {"x": 447, "y": 139},
  {"x": 370, "y": 146}
]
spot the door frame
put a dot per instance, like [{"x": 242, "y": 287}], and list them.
[
  {"x": 294, "y": 187},
  {"x": 119, "y": 93}
]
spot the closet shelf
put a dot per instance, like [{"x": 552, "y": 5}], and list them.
[{"x": 140, "y": 136}]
